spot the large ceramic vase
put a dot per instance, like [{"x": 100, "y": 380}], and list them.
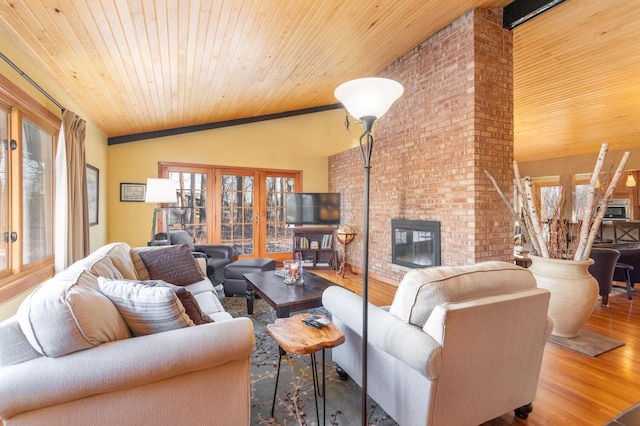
[{"x": 573, "y": 292}]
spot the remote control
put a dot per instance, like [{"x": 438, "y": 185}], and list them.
[
  {"x": 323, "y": 321},
  {"x": 316, "y": 321}
]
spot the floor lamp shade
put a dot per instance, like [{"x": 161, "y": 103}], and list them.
[
  {"x": 160, "y": 191},
  {"x": 368, "y": 97}
]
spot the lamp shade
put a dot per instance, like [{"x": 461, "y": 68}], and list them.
[
  {"x": 368, "y": 97},
  {"x": 631, "y": 181},
  {"x": 160, "y": 191}
]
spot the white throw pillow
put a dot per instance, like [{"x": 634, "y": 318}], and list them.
[
  {"x": 146, "y": 310},
  {"x": 68, "y": 313}
]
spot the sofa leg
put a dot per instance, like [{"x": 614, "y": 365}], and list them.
[
  {"x": 523, "y": 412},
  {"x": 342, "y": 375},
  {"x": 605, "y": 300}
]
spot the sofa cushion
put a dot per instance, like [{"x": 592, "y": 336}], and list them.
[
  {"x": 98, "y": 264},
  {"x": 146, "y": 310},
  {"x": 119, "y": 253},
  {"x": 141, "y": 270},
  {"x": 119, "y": 262},
  {"x": 191, "y": 306},
  {"x": 104, "y": 267},
  {"x": 68, "y": 313},
  {"x": 421, "y": 290},
  {"x": 173, "y": 264}
]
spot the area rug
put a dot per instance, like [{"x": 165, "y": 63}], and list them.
[
  {"x": 587, "y": 343},
  {"x": 294, "y": 401}
]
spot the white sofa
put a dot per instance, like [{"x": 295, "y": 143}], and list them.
[
  {"x": 68, "y": 356},
  {"x": 458, "y": 346}
]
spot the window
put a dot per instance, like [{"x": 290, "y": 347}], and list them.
[
  {"x": 581, "y": 192},
  {"x": 27, "y": 144},
  {"x": 37, "y": 193},
  {"x": 547, "y": 190}
]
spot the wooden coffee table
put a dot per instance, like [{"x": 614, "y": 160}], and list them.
[{"x": 285, "y": 298}]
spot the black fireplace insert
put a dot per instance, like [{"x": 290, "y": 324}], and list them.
[{"x": 415, "y": 243}]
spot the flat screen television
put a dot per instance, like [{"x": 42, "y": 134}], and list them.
[{"x": 313, "y": 208}]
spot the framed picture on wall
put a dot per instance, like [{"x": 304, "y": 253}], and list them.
[
  {"x": 93, "y": 188},
  {"x": 132, "y": 192}
]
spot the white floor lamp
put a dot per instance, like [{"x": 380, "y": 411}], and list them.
[
  {"x": 367, "y": 99},
  {"x": 160, "y": 191}
]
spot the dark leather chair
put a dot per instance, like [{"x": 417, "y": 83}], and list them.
[
  {"x": 628, "y": 266},
  {"x": 216, "y": 255},
  {"x": 605, "y": 260}
]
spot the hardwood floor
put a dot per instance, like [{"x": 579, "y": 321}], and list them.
[{"x": 574, "y": 389}]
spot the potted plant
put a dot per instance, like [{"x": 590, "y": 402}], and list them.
[{"x": 559, "y": 249}]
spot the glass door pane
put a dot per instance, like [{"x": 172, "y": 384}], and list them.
[
  {"x": 278, "y": 237},
  {"x": 237, "y": 212},
  {"x": 190, "y": 213}
]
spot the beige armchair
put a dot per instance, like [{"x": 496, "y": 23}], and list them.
[{"x": 458, "y": 346}]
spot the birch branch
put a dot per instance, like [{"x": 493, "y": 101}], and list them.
[
  {"x": 557, "y": 232},
  {"x": 531, "y": 209},
  {"x": 527, "y": 219},
  {"x": 607, "y": 196},
  {"x": 587, "y": 214},
  {"x": 512, "y": 210}
]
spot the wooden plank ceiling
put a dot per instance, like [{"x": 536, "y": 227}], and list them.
[
  {"x": 144, "y": 65},
  {"x": 577, "y": 79}
]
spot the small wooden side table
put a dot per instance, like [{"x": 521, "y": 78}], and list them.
[
  {"x": 294, "y": 336},
  {"x": 344, "y": 239}
]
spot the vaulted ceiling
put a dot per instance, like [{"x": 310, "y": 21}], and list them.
[{"x": 145, "y": 65}]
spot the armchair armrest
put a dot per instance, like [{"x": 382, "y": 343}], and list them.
[
  {"x": 390, "y": 334},
  {"x": 123, "y": 364},
  {"x": 221, "y": 251}
]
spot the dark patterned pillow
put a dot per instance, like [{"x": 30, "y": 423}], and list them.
[
  {"x": 173, "y": 264},
  {"x": 189, "y": 302}
]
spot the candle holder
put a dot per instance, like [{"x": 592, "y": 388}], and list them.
[{"x": 293, "y": 272}]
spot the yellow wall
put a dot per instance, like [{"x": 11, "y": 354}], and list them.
[
  {"x": 96, "y": 141},
  {"x": 301, "y": 142}
]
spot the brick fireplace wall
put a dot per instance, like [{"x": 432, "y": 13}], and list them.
[{"x": 454, "y": 120}]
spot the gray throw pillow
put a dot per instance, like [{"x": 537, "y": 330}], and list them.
[
  {"x": 191, "y": 306},
  {"x": 172, "y": 264},
  {"x": 146, "y": 310}
]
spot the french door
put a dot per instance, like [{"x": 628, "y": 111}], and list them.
[
  {"x": 241, "y": 207},
  {"x": 190, "y": 212}
]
